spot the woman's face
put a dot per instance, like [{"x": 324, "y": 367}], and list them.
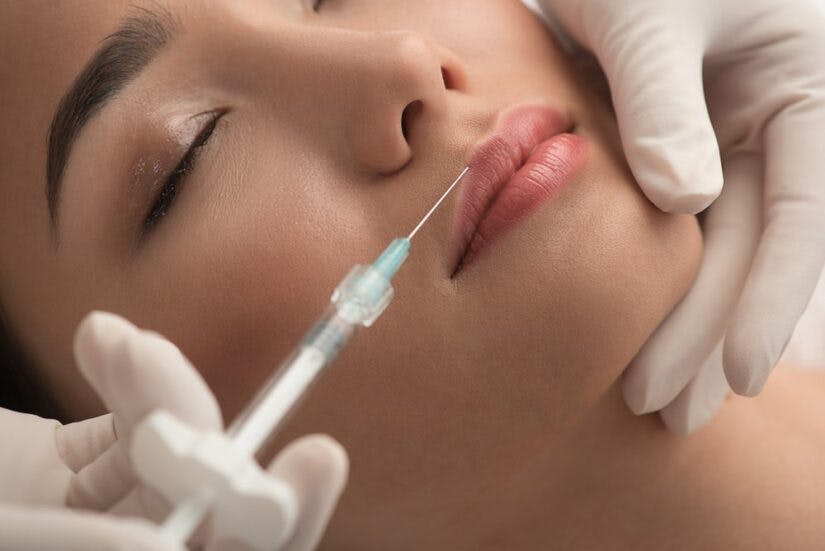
[{"x": 302, "y": 168}]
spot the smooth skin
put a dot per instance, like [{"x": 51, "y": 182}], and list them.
[
  {"x": 706, "y": 92},
  {"x": 482, "y": 411}
]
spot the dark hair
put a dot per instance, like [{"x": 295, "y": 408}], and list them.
[{"x": 20, "y": 387}]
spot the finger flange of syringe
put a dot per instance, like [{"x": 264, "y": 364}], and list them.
[{"x": 357, "y": 301}]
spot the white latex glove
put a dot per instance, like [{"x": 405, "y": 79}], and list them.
[
  {"x": 45, "y": 466},
  {"x": 702, "y": 89},
  {"x": 26, "y": 528}
]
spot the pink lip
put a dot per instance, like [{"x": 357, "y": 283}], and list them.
[{"x": 529, "y": 158}]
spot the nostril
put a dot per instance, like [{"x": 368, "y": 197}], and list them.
[
  {"x": 409, "y": 113},
  {"x": 449, "y": 82},
  {"x": 454, "y": 75}
]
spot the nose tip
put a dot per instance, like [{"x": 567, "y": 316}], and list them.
[
  {"x": 412, "y": 78},
  {"x": 423, "y": 70}
]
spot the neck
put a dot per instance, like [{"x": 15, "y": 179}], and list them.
[
  {"x": 615, "y": 480},
  {"x": 581, "y": 487}
]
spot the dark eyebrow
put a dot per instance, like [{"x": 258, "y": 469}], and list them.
[{"x": 118, "y": 61}]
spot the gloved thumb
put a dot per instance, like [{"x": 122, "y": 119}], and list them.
[
  {"x": 655, "y": 75},
  {"x": 58, "y": 528}
]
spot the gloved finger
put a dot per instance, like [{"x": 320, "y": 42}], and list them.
[
  {"x": 136, "y": 372},
  {"x": 142, "y": 502},
  {"x": 103, "y": 482},
  {"x": 791, "y": 254},
  {"x": 316, "y": 467},
  {"x": 40, "y": 475},
  {"x": 701, "y": 399},
  {"x": 78, "y": 444},
  {"x": 653, "y": 60},
  {"x": 677, "y": 349},
  {"x": 36, "y": 529}
]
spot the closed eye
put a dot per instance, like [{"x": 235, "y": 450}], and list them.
[{"x": 177, "y": 177}]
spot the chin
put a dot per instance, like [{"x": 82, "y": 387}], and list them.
[
  {"x": 625, "y": 268},
  {"x": 656, "y": 273}
]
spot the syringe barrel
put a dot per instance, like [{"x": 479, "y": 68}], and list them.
[
  {"x": 283, "y": 391},
  {"x": 357, "y": 301},
  {"x": 330, "y": 333}
]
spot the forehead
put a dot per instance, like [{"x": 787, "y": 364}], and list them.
[{"x": 43, "y": 45}]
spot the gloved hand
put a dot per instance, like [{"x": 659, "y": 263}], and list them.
[
  {"x": 85, "y": 465},
  {"x": 705, "y": 89},
  {"x": 25, "y": 528}
]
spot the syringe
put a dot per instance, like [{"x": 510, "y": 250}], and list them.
[{"x": 357, "y": 301}]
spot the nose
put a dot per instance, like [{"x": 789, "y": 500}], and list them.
[
  {"x": 365, "y": 94},
  {"x": 402, "y": 79}
]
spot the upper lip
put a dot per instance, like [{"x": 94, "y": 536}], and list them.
[{"x": 496, "y": 159}]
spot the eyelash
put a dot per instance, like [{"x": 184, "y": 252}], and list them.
[
  {"x": 186, "y": 165},
  {"x": 167, "y": 195}
]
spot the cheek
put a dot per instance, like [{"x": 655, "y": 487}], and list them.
[
  {"x": 628, "y": 267},
  {"x": 255, "y": 297},
  {"x": 243, "y": 292},
  {"x": 261, "y": 269}
]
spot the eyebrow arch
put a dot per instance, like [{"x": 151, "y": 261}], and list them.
[{"x": 119, "y": 60}]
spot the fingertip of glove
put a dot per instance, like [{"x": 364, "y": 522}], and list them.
[
  {"x": 691, "y": 203},
  {"x": 747, "y": 366},
  {"x": 327, "y": 453},
  {"x": 676, "y": 422},
  {"x": 165, "y": 377},
  {"x": 154, "y": 346},
  {"x": 684, "y": 423},
  {"x": 318, "y": 455},
  {"x": 632, "y": 402},
  {"x": 337, "y": 455},
  {"x": 676, "y": 182},
  {"x": 696, "y": 407},
  {"x": 743, "y": 382},
  {"x": 675, "y": 196},
  {"x": 95, "y": 337},
  {"x": 637, "y": 393}
]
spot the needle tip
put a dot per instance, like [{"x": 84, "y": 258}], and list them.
[{"x": 438, "y": 203}]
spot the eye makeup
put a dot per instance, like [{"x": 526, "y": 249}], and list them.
[{"x": 164, "y": 200}]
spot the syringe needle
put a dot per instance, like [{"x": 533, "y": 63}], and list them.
[
  {"x": 438, "y": 204},
  {"x": 358, "y": 301}
]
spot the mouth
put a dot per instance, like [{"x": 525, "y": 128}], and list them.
[{"x": 532, "y": 154}]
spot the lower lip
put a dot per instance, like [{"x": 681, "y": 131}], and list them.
[{"x": 550, "y": 167}]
